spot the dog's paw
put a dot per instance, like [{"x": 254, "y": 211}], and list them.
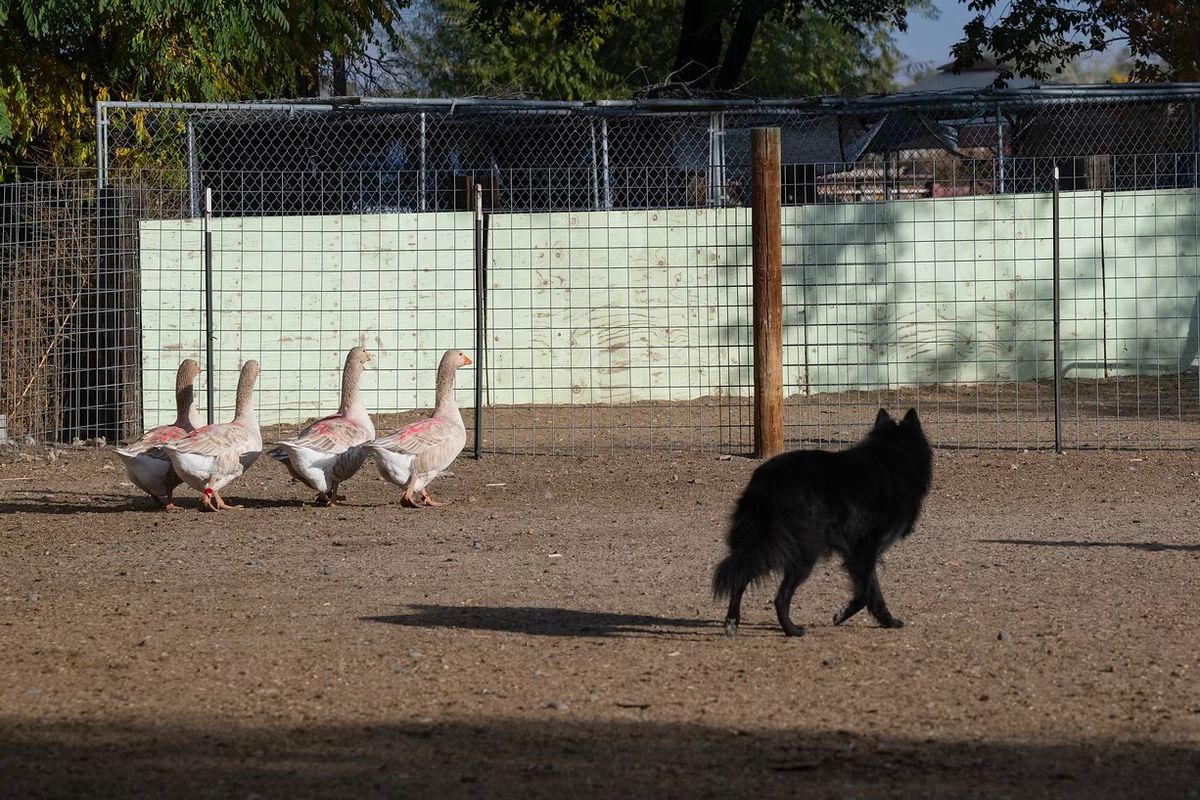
[
  {"x": 731, "y": 626},
  {"x": 894, "y": 623},
  {"x": 849, "y": 610}
]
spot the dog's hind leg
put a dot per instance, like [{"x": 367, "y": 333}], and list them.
[
  {"x": 792, "y": 577},
  {"x": 731, "y": 578},
  {"x": 734, "y": 615}
]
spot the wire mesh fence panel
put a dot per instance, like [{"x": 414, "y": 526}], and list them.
[
  {"x": 295, "y": 292},
  {"x": 619, "y": 329},
  {"x": 947, "y": 304},
  {"x": 918, "y": 266},
  {"x": 944, "y": 304},
  {"x": 68, "y": 310}
]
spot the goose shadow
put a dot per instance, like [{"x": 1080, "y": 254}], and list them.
[
  {"x": 58, "y": 502},
  {"x": 538, "y": 621},
  {"x": 1150, "y": 547},
  {"x": 261, "y": 502},
  {"x": 121, "y": 504}
]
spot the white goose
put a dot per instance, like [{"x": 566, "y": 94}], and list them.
[
  {"x": 417, "y": 453},
  {"x": 145, "y": 462},
  {"x": 329, "y": 451},
  {"x": 209, "y": 458}
]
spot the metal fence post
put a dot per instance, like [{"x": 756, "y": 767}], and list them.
[
  {"x": 193, "y": 168},
  {"x": 1058, "y": 448},
  {"x": 716, "y": 158},
  {"x": 768, "y": 292},
  {"x": 1196, "y": 185},
  {"x": 608, "y": 199},
  {"x": 1000, "y": 146},
  {"x": 101, "y": 144},
  {"x": 421, "y": 178},
  {"x": 480, "y": 320},
  {"x": 208, "y": 305},
  {"x": 595, "y": 165}
]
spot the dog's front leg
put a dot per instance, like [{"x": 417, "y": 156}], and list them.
[
  {"x": 856, "y": 604},
  {"x": 792, "y": 577}
]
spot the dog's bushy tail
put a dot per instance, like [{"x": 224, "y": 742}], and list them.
[
  {"x": 751, "y": 553},
  {"x": 734, "y": 572}
]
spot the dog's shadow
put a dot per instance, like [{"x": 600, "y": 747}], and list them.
[{"x": 549, "y": 621}]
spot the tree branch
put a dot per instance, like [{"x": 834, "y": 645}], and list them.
[
  {"x": 698, "y": 53},
  {"x": 740, "y": 41}
]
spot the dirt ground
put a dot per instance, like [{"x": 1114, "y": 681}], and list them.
[{"x": 551, "y": 632}]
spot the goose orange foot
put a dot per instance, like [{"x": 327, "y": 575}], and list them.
[
  {"x": 166, "y": 502},
  {"x": 429, "y": 501},
  {"x": 407, "y": 500},
  {"x": 222, "y": 504}
]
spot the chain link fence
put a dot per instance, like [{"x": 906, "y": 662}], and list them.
[{"x": 614, "y": 258}]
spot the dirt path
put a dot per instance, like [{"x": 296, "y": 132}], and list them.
[{"x": 555, "y": 634}]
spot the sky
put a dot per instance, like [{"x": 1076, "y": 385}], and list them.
[{"x": 927, "y": 41}]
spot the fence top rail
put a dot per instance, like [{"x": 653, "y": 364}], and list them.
[
  {"x": 1033, "y": 96},
  {"x": 271, "y": 105}
]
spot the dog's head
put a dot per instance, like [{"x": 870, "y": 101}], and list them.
[
  {"x": 884, "y": 421},
  {"x": 907, "y": 429},
  {"x": 907, "y": 436}
]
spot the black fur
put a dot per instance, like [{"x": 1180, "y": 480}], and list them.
[{"x": 806, "y": 504}]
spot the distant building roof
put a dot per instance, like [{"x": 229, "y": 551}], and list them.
[{"x": 977, "y": 76}]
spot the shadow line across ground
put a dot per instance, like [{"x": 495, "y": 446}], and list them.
[
  {"x": 553, "y": 757},
  {"x": 1147, "y": 546}
]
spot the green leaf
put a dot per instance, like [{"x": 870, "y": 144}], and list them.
[{"x": 6, "y": 130}]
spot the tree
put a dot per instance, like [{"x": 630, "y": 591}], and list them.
[
  {"x": 445, "y": 54},
  {"x": 451, "y": 49},
  {"x": 820, "y": 57},
  {"x": 1038, "y": 38},
  {"x": 714, "y": 39},
  {"x": 58, "y": 57}
]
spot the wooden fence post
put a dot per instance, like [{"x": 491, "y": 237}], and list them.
[{"x": 768, "y": 292}]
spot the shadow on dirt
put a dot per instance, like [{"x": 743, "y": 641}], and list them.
[
  {"x": 560, "y": 757},
  {"x": 546, "y": 621},
  {"x": 35, "y": 502},
  {"x": 1151, "y": 547},
  {"x": 79, "y": 503}
]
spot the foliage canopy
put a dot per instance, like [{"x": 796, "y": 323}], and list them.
[
  {"x": 58, "y": 57},
  {"x": 1040, "y": 38},
  {"x": 565, "y": 50}
]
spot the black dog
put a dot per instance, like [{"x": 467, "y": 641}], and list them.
[{"x": 806, "y": 504}]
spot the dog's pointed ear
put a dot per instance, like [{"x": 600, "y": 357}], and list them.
[
  {"x": 882, "y": 420},
  {"x": 911, "y": 418}
]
